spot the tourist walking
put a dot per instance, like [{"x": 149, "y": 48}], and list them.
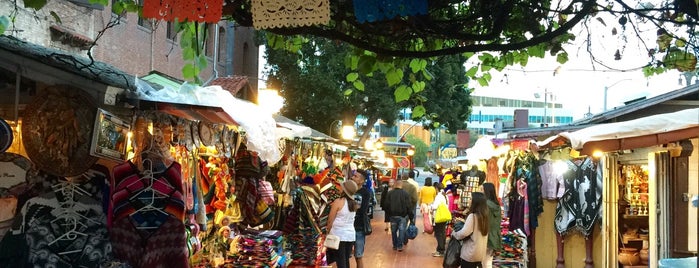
[
  {"x": 399, "y": 208},
  {"x": 361, "y": 220},
  {"x": 383, "y": 204}
]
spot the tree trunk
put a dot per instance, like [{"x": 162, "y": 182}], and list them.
[{"x": 366, "y": 131}]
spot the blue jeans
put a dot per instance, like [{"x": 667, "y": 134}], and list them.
[
  {"x": 360, "y": 240},
  {"x": 398, "y": 226}
]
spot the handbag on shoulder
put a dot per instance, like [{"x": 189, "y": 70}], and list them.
[{"x": 332, "y": 241}]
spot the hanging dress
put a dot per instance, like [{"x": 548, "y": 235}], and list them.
[{"x": 579, "y": 208}]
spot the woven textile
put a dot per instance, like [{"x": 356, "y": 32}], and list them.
[
  {"x": 289, "y": 13},
  {"x": 378, "y": 10}
]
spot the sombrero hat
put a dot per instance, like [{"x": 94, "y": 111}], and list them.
[{"x": 6, "y": 136}]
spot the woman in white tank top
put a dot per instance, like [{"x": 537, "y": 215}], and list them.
[{"x": 341, "y": 224}]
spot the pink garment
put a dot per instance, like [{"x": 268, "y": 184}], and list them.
[
  {"x": 451, "y": 202},
  {"x": 522, "y": 190},
  {"x": 552, "y": 186}
]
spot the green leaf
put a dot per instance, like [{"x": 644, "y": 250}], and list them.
[
  {"x": 482, "y": 81},
  {"x": 562, "y": 57},
  {"x": 56, "y": 18},
  {"x": 402, "y": 93},
  {"x": 415, "y": 65},
  {"x": 680, "y": 42},
  {"x": 472, "y": 71},
  {"x": 435, "y": 124},
  {"x": 418, "y": 111},
  {"x": 118, "y": 7},
  {"x": 4, "y": 24},
  {"x": 359, "y": 85},
  {"x": 35, "y": 4},
  {"x": 132, "y": 7},
  {"x": 354, "y": 62},
  {"x": 366, "y": 64},
  {"x": 188, "y": 71},
  {"x": 348, "y": 92},
  {"x": 188, "y": 53},
  {"x": 427, "y": 74},
  {"x": 351, "y": 77},
  {"x": 394, "y": 76},
  {"x": 203, "y": 62},
  {"x": 186, "y": 41},
  {"x": 418, "y": 86}
]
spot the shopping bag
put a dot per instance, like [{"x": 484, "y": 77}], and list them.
[
  {"x": 427, "y": 223},
  {"x": 412, "y": 231},
  {"x": 442, "y": 214},
  {"x": 332, "y": 241},
  {"x": 452, "y": 255}
]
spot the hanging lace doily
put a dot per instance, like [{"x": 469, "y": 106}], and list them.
[
  {"x": 373, "y": 10},
  {"x": 289, "y": 13}
]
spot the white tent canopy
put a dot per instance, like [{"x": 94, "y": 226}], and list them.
[
  {"x": 650, "y": 125},
  {"x": 259, "y": 126}
]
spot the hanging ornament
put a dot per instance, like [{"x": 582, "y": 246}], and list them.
[
  {"x": 189, "y": 10},
  {"x": 289, "y": 13}
]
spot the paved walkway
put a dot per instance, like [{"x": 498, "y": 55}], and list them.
[{"x": 379, "y": 251}]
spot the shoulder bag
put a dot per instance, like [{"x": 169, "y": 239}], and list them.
[
  {"x": 442, "y": 214},
  {"x": 332, "y": 241}
]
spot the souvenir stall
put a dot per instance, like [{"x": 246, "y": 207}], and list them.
[
  {"x": 309, "y": 180},
  {"x": 136, "y": 186},
  {"x": 643, "y": 162}
]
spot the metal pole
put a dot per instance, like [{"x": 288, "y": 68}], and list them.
[
  {"x": 606, "y": 89},
  {"x": 546, "y": 104}
]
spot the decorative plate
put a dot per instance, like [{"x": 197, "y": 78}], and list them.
[
  {"x": 57, "y": 128},
  {"x": 6, "y": 136},
  {"x": 206, "y": 134}
]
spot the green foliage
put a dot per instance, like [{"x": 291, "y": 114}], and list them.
[
  {"x": 421, "y": 148},
  {"x": 35, "y": 4},
  {"x": 319, "y": 86}
]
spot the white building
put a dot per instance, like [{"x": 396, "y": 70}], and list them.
[{"x": 486, "y": 111}]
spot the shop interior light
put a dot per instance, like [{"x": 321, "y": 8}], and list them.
[
  {"x": 338, "y": 161},
  {"x": 411, "y": 152},
  {"x": 597, "y": 154},
  {"x": 348, "y": 132}
]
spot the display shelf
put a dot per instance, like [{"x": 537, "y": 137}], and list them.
[{"x": 630, "y": 217}]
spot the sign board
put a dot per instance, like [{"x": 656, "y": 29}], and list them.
[{"x": 463, "y": 137}]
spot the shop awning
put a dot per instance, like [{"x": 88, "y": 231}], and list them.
[
  {"x": 643, "y": 132},
  {"x": 195, "y": 112},
  {"x": 213, "y": 104}
]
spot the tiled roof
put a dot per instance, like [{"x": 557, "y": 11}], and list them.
[{"x": 233, "y": 84}]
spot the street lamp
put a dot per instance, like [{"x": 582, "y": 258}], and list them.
[{"x": 606, "y": 88}]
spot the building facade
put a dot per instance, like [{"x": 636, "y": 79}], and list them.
[
  {"x": 132, "y": 44},
  {"x": 492, "y": 114}
]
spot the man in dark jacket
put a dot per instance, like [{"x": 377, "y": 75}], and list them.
[
  {"x": 363, "y": 197},
  {"x": 400, "y": 208}
]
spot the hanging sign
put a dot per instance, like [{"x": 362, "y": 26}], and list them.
[{"x": 190, "y": 10}]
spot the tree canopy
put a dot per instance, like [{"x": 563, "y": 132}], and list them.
[{"x": 319, "y": 87}]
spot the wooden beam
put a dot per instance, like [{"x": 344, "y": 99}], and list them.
[{"x": 611, "y": 145}]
